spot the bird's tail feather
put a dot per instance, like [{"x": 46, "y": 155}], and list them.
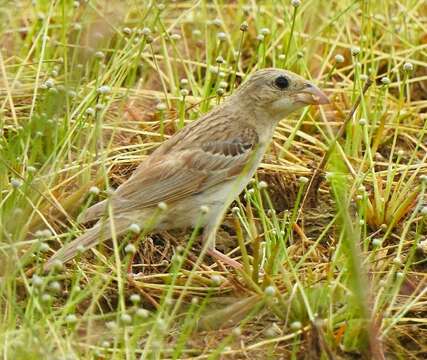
[
  {"x": 93, "y": 213},
  {"x": 100, "y": 232}
]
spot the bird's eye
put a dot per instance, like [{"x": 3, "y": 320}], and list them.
[{"x": 281, "y": 82}]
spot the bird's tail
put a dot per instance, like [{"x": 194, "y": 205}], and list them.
[
  {"x": 100, "y": 232},
  {"x": 95, "y": 212}
]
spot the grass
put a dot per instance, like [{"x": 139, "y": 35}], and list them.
[{"x": 334, "y": 266}]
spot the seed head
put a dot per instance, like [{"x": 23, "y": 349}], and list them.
[
  {"x": 130, "y": 249},
  {"x": 339, "y": 59},
  {"x": 94, "y": 190},
  {"x": 296, "y": 3},
  {"x": 408, "y": 67},
  {"x": 217, "y": 22},
  {"x": 269, "y": 290},
  {"x": 161, "y": 107},
  {"x": 385, "y": 80},
  {"x": 90, "y": 111},
  {"x": 263, "y": 185},
  {"x": 296, "y": 325},
  {"x": 146, "y": 31},
  {"x": 126, "y": 319},
  {"x": 46, "y": 298},
  {"x": 16, "y": 183},
  {"x": 265, "y": 31},
  {"x": 37, "y": 281},
  {"x": 77, "y": 26},
  {"x": 127, "y": 31},
  {"x": 235, "y": 210},
  {"x": 49, "y": 83},
  {"x": 162, "y": 206},
  {"x": 204, "y": 209},
  {"x": 223, "y": 84},
  {"x": 355, "y": 51},
  {"x": 80, "y": 249},
  {"x": 142, "y": 313},
  {"x": 220, "y": 60},
  {"x": 397, "y": 261},
  {"x": 362, "y": 122},
  {"x": 376, "y": 243},
  {"x": 71, "y": 319},
  {"x": 55, "y": 286},
  {"x": 111, "y": 325},
  {"x": 303, "y": 180},
  {"x": 237, "y": 331},
  {"x": 44, "y": 247},
  {"x": 175, "y": 37},
  {"x": 222, "y": 36},
  {"x": 400, "y": 275},
  {"x": 104, "y": 89},
  {"x": 213, "y": 70},
  {"x": 423, "y": 246},
  {"x": 184, "y": 92},
  {"x": 99, "y": 55},
  {"x": 271, "y": 332},
  {"x": 177, "y": 258},
  {"x": 220, "y": 91},
  {"x": 57, "y": 265},
  {"x": 135, "y": 298},
  {"x": 423, "y": 211},
  {"x": 149, "y": 39},
  {"x": 135, "y": 228},
  {"x": 194, "y": 300},
  {"x": 196, "y": 33},
  {"x": 216, "y": 280},
  {"x": 244, "y": 26}
]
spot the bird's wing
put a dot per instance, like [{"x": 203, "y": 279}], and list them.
[{"x": 178, "y": 174}]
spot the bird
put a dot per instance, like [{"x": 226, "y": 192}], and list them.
[{"x": 200, "y": 169}]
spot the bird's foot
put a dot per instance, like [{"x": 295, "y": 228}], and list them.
[{"x": 217, "y": 255}]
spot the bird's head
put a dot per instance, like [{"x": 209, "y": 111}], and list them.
[{"x": 279, "y": 92}]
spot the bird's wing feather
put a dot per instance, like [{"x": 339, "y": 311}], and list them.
[{"x": 178, "y": 174}]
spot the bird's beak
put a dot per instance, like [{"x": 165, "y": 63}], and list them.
[{"x": 312, "y": 95}]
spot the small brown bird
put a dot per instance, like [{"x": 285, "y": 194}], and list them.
[{"x": 202, "y": 168}]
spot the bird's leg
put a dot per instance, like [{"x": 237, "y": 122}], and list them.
[
  {"x": 133, "y": 255},
  {"x": 219, "y": 256},
  {"x": 132, "y": 258},
  {"x": 209, "y": 241}
]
